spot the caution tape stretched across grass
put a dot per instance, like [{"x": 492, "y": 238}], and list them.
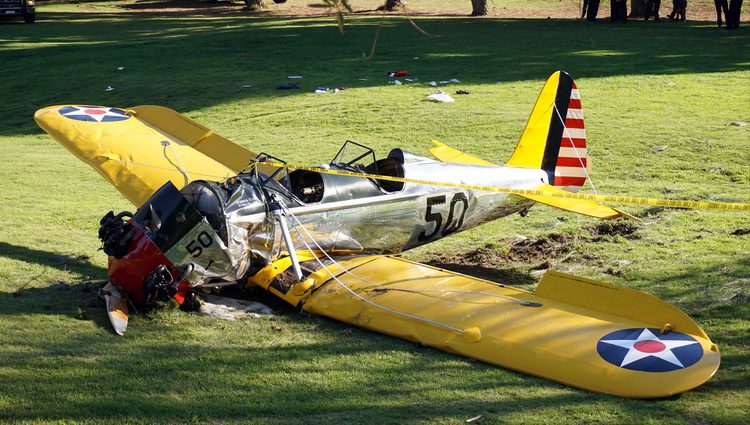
[{"x": 669, "y": 203}]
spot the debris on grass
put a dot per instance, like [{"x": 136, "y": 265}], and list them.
[
  {"x": 741, "y": 232},
  {"x": 474, "y": 419},
  {"x": 399, "y": 73},
  {"x": 737, "y": 124},
  {"x": 440, "y": 96},
  {"x": 661, "y": 148},
  {"x": 231, "y": 308}
]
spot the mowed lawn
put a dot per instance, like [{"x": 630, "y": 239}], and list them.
[{"x": 657, "y": 100}]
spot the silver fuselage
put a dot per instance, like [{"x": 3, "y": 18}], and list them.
[{"x": 354, "y": 215}]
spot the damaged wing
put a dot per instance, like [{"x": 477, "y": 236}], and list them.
[
  {"x": 576, "y": 331},
  {"x": 140, "y": 149}
]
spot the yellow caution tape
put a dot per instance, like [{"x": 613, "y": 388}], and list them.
[{"x": 669, "y": 203}]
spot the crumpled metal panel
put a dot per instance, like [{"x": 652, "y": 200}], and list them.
[{"x": 202, "y": 247}]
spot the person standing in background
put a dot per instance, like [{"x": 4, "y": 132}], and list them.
[
  {"x": 619, "y": 11},
  {"x": 593, "y": 9},
  {"x": 679, "y": 10},
  {"x": 652, "y": 9},
  {"x": 733, "y": 15},
  {"x": 721, "y": 6}
]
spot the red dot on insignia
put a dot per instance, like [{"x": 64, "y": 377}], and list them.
[
  {"x": 649, "y": 346},
  {"x": 95, "y": 111}
]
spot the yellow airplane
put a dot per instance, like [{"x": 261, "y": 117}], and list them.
[{"x": 324, "y": 239}]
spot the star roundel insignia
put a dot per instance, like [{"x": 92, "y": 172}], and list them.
[
  {"x": 93, "y": 113},
  {"x": 647, "y": 350}
]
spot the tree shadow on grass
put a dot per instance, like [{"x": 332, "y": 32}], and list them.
[
  {"x": 64, "y": 262},
  {"x": 190, "y": 63},
  {"x": 301, "y": 382}
]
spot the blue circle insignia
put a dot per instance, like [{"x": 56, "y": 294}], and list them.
[
  {"x": 648, "y": 350},
  {"x": 93, "y": 113}
]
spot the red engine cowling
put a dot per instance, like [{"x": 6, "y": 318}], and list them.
[{"x": 142, "y": 258}]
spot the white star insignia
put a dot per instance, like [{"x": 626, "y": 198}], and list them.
[
  {"x": 96, "y": 113},
  {"x": 649, "y": 345}
]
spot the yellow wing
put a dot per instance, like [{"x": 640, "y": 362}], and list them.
[
  {"x": 553, "y": 333},
  {"x": 139, "y": 149}
]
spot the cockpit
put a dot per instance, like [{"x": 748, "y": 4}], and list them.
[{"x": 314, "y": 187}]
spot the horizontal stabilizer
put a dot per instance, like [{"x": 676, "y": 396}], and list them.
[
  {"x": 448, "y": 154},
  {"x": 579, "y": 206}
]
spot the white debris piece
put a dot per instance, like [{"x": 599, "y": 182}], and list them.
[
  {"x": 232, "y": 309},
  {"x": 109, "y": 88},
  {"x": 440, "y": 96},
  {"x": 454, "y": 80},
  {"x": 120, "y": 68},
  {"x": 295, "y": 77},
  {"x": 433, "y": 84},
  {"x": 738, "y": 124},
  {"x": 395, "y": 82}
]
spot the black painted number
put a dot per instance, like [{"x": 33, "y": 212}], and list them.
[
  {"x": 195, "y": 247},
  {"x": 431, "y": 216},
  {"x": 451, "y": 225}
]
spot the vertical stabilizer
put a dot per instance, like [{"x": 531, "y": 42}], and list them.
[{"x": 555, "y": 136}]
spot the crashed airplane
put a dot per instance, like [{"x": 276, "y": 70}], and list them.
[{"x": 211, "y": 213}]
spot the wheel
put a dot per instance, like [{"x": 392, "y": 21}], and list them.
[{"x": 29, "y": 19}]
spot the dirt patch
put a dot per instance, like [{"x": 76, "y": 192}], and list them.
[
  {"x": 501, "y": 265},
  {"x": 624, "y": 228},
  {"x": 515, "y": 260}
]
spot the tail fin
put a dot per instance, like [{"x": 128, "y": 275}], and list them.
[{"x": 555, "y": 136}]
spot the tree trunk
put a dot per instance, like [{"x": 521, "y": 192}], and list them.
[
  {"x": 391, "y": 5},
  {"x": 254, "y": 4},
  {"x": 479, "y": 8},
  {"x": 637, "y": 8}
]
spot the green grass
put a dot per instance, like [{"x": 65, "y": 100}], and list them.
[{"x": 644, "y": 87}]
